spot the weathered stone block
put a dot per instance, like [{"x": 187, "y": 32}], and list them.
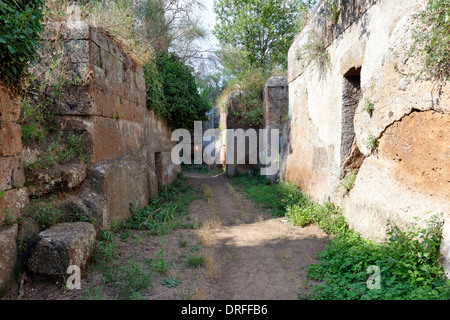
[
  {"x": 11, "y": 173},
  {"x": 117, "y": 107},
  {"x": 8, "y": 253},
  {"x": 9, "y": 105},
  {"x": 13, "y": 202},
  {"x": 276, "y": 100},
  {"x": 77, "y": 51},
  {"x": 30, "y": 155},
  {"x": 113, "y": 186},
  {"x": 165, "y": 169},
  {"x": 10, "y": 139},
  {"x": 63, "y": 177},
  {"x": 73, "y": 31},
  {"x": 107, "y": 140},
  {"x": 77, "y": 100},
  {"x": 63, "y": 245},
  {"x": 131, "y": 133}
]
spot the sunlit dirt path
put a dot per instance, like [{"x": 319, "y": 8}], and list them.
[{"x": 254, "y": 255}]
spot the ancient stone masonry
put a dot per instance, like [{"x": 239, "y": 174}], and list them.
[
  {"x": 275, "y": 104},
  {"x": 104, "y": 101},
  {"x": 275, "y": 113},
  {"x": 13, "y": 196},
  {"x": 130, "y": 147},
  {"x": 229, "y": 119},
  {"x": 400, "y": 150}
]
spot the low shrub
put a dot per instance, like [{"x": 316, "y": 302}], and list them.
[
  {"x": 172, "y": 91},
  {"x": 431, "y": 37}
]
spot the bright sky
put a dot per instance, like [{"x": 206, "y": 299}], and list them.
[{"x": 209, "y": 19}]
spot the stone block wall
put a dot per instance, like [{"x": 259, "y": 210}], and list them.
[
  {"x": 130, "y": 147},
  {"x": 229, "y": 119},
  {"x": 275, "y": 116},
  {"x": 329, "y": 131},
  {"x": 104, "y": 100},
  {"x": 276, "y": 107},
  {"x": 13, "y": 196}
]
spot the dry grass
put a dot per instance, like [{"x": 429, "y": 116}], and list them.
[
  {"x": 205, "y": 234},
  {"x": 207, "y": 192},
  {"x": 57, "y": 10},
  {"x": 198, "y": 293},
  {"x": 212, "y": 268},
  {"x": 115, "y": 18},
  {"x": 297, "y": 281},
  {"x": 233, "y": 191},
  {"x": 286, "y": 254}
]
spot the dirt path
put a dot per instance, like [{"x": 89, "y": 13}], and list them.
[
  {"x": 248, "y": 255},
  {"x": 255, "y": 256}
]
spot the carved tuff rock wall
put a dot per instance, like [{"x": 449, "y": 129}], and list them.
[
  {"x": 105, "y": 102},
  {"x": 408, "y": 175}
]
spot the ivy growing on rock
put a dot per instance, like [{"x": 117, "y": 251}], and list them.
[{"x": 20, "y": 29}]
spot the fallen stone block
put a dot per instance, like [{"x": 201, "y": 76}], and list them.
[{"x": 63, "y": 245}]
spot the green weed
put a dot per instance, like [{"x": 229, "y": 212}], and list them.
[
  {"x": 62, "y": 151},
  {"x": 408, "y": 261},
  {"x": 194, "y": 261},
  {"x": 131, "y": 281},
  {"x": 164, "y": 213},
  {"x": 170, "y": 282},
  {"x": 371, "y": 142},
  {"x": 159, "y": 263},
  {"x": 368, "y": 106},
  {"x": 45, "y": 212},
  {"x": 315, "y": 51},
  {"x": 430, "y": 40},
  {"x": 348, "y": 181},
  {"x": 333, "y": 10},
  {"x": 105, "y": 247},
  {"x": 95, "y": 292}
]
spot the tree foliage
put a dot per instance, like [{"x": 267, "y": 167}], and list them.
[
  {"x": 262, "y": 31},
  {"x": 172, "y": 25},
  {"x": 172, "y": 91},
  {"x": 20, "y": 29}
]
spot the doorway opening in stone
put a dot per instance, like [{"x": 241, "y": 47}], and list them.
[
  {"x": 158, "y": 167},
  {"x": 351, "y": 157}
]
